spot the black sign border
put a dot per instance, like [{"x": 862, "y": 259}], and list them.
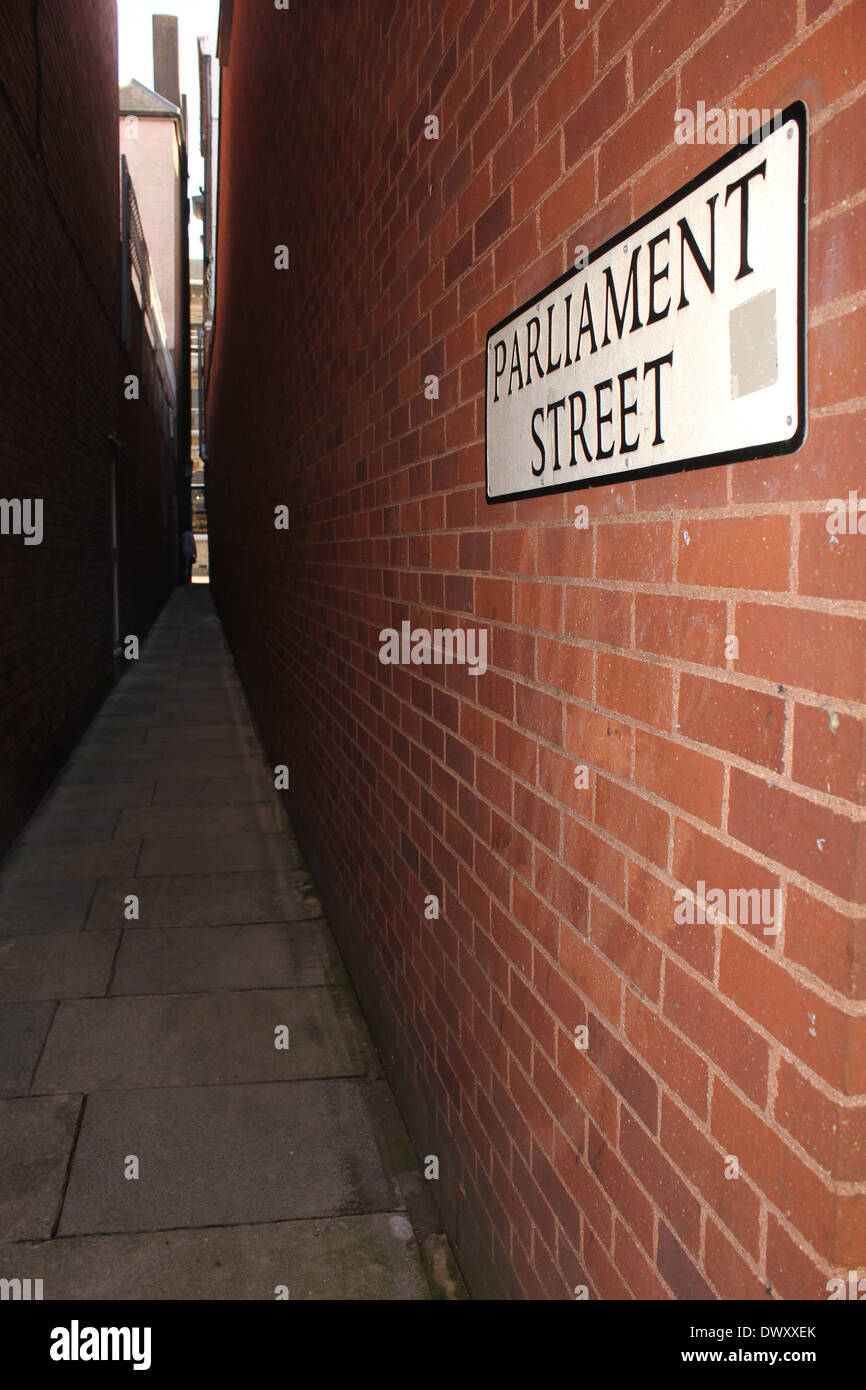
[{"x": 797, "y": 111}]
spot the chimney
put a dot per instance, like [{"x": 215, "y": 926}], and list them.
[{"x": 166, "y": 69}]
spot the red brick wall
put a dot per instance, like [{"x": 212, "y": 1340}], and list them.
[
  {"x": 61, "y": 364},
  {"x": 558, "y": 1167}
]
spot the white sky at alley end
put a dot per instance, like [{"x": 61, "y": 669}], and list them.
[{"x": 195, "y": 19}]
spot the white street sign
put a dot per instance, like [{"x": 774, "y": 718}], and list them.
[{"x": 681, "y": 341}]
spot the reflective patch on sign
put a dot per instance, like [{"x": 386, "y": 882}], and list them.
[{"x": 754, "y": 356}]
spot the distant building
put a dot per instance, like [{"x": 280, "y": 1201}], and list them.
[
  {"x": 153, "y": 142},
  {"x": 197, "y": 482}
]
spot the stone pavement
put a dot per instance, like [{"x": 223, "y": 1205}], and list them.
[{"x": 158, "y": 930}]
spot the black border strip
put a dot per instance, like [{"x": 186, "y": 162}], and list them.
[{"x": 797, "y": 111}]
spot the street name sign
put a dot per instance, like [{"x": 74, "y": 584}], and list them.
[{"x": 681, "y": 341}]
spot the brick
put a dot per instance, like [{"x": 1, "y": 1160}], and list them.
[
  {"x": 661, "y": 1180},
  {"x": 717, "y": 1031},
  {"x": 671, "y": 32},
  {"x": 539, "y": 606},
  {"x": 598, "y": 615},
  {"x": 818, "y": 843},
  {"x": 595, "y": 114},
  {"x": 567, "y": 87},
  {"x": 511, "y": 51},
  {"x": 746, "y": 722},
  {"x": 561, "y": 889},
  {"x": 632, "y": 820},
  {"x": 831, "y": 565},
  {"x": 833, "y": 180},
  {"x": 646, "y": 133},
  {"x": 617, "y": 29},
  {"x": 689, "y": 490},
  {"x": 619, "y": 1186},
  {"x": 493, "y": 223},
  {"x": 837, "y": 260},
  {"x": 591, "y": 975},
  {"x": 540, "y": 713},
  {"x": 640, "y": 689},
  {"x": 828, "y": 465},
  {"x": 540, "y": 1024},
  {"x": 748, "y": 552},
  {"x": 535, "y": 70},
  {"x": 624, "y": 1071},
  {"x": 651, "y": 903},
  {"x": 815, "y": 651},
  {"x": 834, "y": 1134},
  {"x": 536, "y": 177},
  {"x": 574, "y": 1176},
  {"x": 639, "y": 1274},
  {"x": 538, "y": 817},
  {"x": 568, "y": 204},
  {"x": 827, "y": 943},
  {"x": 675, "y": 1063},
  {"x": 703, "y": 1163},
  {"x": 730, "y": 1275},
  {"x": 740, "y": 47},
  {"x": 794, "y": 1188},
  {"x": 565, "y": 666},
  {"x": 680, "y": 1272},
  {"x": 640, "y": 554},
  {"x": 679, "y": 775},
  {"x": 602, "y": 1272},
  {"x": 822, "y": 1035},
  {"x": 601, "y": 864},
  {"x": 830, "y": 752},
  {"x": 791, "y": 1270},
  {"x": 590, "y": 1088},
  {"x": 836, "y": 347},
  {"x": 599, "y": 740},
  {"x": 700, "y": 858},
  {"x": 683, "y": 628},
  {"x": 818, "y": 69},
  {"x": 634, "y": 954}
]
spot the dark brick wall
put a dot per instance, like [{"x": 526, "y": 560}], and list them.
[
  {"x": 62, "y": 365},
  {"x": 558, "y": 1168}
]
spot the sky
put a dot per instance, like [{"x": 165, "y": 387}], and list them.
[{"x": 196, "y": 19}]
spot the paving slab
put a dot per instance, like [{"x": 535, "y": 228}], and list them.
[
  {"x": 36, "y": 1138},
  {"x": 105, "y": 859},
  {"x": 278, "y": 955},
  {"x": 210, "y": 712},
  {"x": 118, "y": 795},
  {"x": 200, "y": 1039},
  {"x": 206, "y": 900},
  {"x": 71, "y": 965},
  {"x": 168, "y": 766},
  {"x": 23, "y": 1028},
  {"x": 106, "y": 774},
  {"x": 166, "y": 822},
  {"x": 44, "y": 906},
  {"x": 119, "y": 702},
  {"x": 162, "y": 715},
  {"x": 56, "y": 825},
  {"x": 213, "y": 791},
  {"x": 104, "y": 731},
  {"x": 201, "y": 854},
  {"x": 220, "y": 1155},
  {"x": 370, "y": 1257},
  {"x": 94, "y": 754},
  {"x": 201, "y": 733}
]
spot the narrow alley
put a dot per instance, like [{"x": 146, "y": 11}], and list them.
[{"x": 192, "y": 1108}]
